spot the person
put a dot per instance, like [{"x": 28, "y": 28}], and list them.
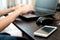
[
  {"x": 4, "y": 22},
  {"x": 16, "y": 11}
]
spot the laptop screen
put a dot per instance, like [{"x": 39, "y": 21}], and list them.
[{"x": 46, "y": 7}]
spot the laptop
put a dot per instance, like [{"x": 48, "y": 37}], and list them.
[
  {"x": 42, "y": 8},
  {"x": 46, "y": 7}
]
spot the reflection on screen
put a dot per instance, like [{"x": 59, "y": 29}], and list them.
[
  {"x": 47, "y": 29},
  {"x": 45, "y": 6}
]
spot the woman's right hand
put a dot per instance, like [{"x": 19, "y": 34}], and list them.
[
  {"x": 27, "y": 8},
  {"x": 24, "y": 9}
]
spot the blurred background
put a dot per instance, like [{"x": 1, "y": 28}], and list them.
[{"x": 4, "y": 4}]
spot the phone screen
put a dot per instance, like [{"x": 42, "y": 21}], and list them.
[{"x": 47, "y": 29}]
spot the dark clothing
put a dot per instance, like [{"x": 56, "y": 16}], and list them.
[{"x": 5, "y": 36}]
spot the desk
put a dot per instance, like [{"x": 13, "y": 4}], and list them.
[{"x": 29, "y": 27}]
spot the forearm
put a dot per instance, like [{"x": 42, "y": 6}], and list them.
[
  {"x": 3, "y": 12},
  {"x": 8, "y": 19}
]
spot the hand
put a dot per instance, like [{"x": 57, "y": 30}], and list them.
[
  {"x": 27, "y": 8},
  {"x": 24, "y": 9},
  {"x": 16, "y": 7}
]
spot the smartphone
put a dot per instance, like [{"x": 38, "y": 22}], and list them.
[{"x": 45, "y": 31}]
